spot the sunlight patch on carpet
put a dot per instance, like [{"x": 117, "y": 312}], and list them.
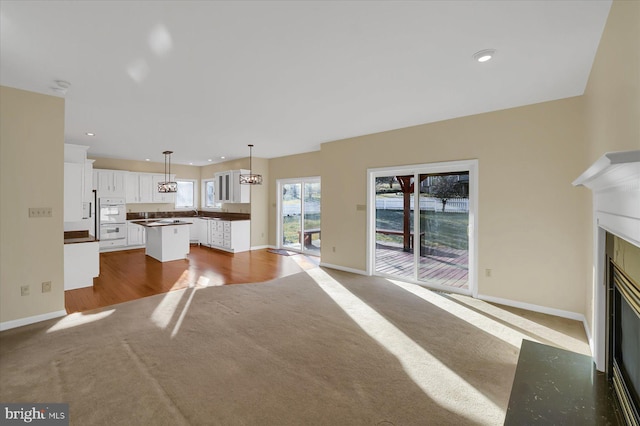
[
  {"x": 500, "y": 331},
  {"x": 436, "y": 380},
  {"x": 168, "y": 308},
  {"x": 560, "y": 339},
  {"x": 78, "y": 318}
]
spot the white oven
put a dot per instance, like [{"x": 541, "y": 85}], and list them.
[
  {"x": 112, "y": 222},
  {"x": 112, "y": 210},
  {"x": 113, "y": 231}
]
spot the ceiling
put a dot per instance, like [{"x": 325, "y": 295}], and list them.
[{"x": 205, "y": 78}]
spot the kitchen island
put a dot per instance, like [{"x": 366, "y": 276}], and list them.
[{"x": 167, "y": 239}]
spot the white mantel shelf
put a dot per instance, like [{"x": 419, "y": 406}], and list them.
[
  {"x": 615, "y": 182},
  {"x": 614, "y": 169}
]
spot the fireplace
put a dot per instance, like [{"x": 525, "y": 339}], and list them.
[
  {"x": 623, "y": 332},
  {"x": 614, "y": 180}
]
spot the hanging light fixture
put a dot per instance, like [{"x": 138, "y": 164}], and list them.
[
  {"x": 167, "y": 186},
  {"x": 250, "y": 179}
]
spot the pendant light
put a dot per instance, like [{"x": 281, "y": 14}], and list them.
[
  {"x": 250, "y": 179},
  {"x": 167, "y": 186}
]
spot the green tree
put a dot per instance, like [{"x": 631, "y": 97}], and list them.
[{"x": 444, "y": 188}]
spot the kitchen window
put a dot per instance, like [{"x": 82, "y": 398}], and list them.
[
  {"x": 209, "y": 194},
  {"x": 186, "y": 197}
]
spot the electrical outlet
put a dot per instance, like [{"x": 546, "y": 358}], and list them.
[
  {"x": 24, "y": 290},
  {"x": 46, "y": 286},
  {"x": 333, "y": 249},
  {"x": 487, "y": 273}
]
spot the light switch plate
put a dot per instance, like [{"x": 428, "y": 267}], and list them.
[{"x": 40, "y": 212}]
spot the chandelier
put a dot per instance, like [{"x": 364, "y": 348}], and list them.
[
  {"x": 250, "y": 179},
  {"x": 167, "y": 186}
]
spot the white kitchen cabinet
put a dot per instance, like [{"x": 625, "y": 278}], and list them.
[
  {"x": 110, "y": 183},
  {"x": 139, "y": 188},
  {"x": 223, "y": 182},
  {"x": 131, "y": 188},
  {"x": 87, "y": 189},
  {"x": 241, "y": 193},
  {"x": 229, "y": 189},
  {"x": 201, "y": 231},
  {"x": 73, "y": 194},
  {"x": 81, "y": 264},
  {"x": 233, "y": 236},
  {"x": 136, "y": 235},
  {"x": 162, "y": 197},
  {"x": 146, "y": 187}
]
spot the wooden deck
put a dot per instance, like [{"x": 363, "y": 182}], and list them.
[{"x": 443, "y": 266}]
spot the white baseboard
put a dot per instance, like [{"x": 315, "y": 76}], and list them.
[
  {"x": 535, "y": 308},
  {"x": 7, "y": 325},
  {"x": 261, "y": 247},
  {"x": 343, "y": 268}
]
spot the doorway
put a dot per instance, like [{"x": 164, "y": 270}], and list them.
[
  {"x": 422, "y": 222},
  {"x": 299, "y": 215}
]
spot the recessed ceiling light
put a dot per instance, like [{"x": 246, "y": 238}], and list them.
[
  {"x": 222, "y": 158},
  {"x": 484, "y": 55},
  {"x": 147, "y": 159},
  {"x": 90, "y": 134},
  {"x": 191, "y": 164},
  {"x": 209, "y": 160}
]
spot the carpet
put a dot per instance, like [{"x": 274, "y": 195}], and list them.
[{"x": 320, "y": 347}]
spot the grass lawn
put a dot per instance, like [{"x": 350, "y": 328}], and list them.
[
  {"x": 291, "y": 226},
  {"x": 441, "y": 229}
]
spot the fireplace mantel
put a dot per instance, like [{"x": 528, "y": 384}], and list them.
[{"x": 615, "y": 182}]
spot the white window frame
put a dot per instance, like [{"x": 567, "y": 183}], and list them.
[
  {"x": 216, "y": 205},
  {"x": 195, "y": 195},
  {"x": 441, "y": 167}
]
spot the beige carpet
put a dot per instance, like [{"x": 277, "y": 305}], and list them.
[{"x": 320, "y": 347}]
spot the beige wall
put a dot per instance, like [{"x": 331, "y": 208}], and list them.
[
  {"x": 260, "y": 204},
  {"x": 31, "y": 175},
  {"x": 612, "y": 99},
  {"x": 612, "y": 96},
  {"x": 531, "y": 220}
]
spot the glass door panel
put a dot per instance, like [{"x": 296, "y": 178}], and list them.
[
  {"x": 443, "y": 229},
  {"x": 311, "y": 223},
  {"x": 394, "y": 240},
  {"x": 291, "y": 207}
]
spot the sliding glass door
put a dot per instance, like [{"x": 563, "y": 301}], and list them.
[
  {"x": 299, "y": 212},
  {"x": 421, "y": 224}
]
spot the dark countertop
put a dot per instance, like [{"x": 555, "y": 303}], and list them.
[
  {"x": 75, "y": 237},
  {"x": 155, "y": 223},
  {"x": 189, "y": 213},
  {"x": 557, "y": 387}
]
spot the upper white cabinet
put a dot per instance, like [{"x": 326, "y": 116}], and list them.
[
  {"x": 78, "y": 181},
  {"x": 162, "y": 197},
  {"x": 229, "y": 189},
  {"x": 110, "y": 183},
  {"x": 73, "y": 195},
  {"x": 139, "y": 187},
  {"x": 88, "y": 182}
]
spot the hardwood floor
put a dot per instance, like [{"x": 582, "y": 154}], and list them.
[{"x": 130, "y": 274}]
